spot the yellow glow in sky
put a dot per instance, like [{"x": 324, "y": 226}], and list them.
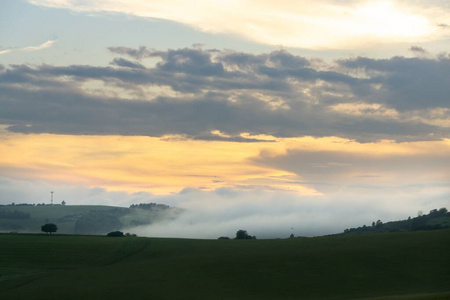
[
  {"x": 163, "y": 166},
  {"x": 137, "y": 163}
]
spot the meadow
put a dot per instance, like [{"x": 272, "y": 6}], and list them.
[{"x": 410, "y": 265}]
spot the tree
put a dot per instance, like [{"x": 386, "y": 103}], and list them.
[
  {"x": 49, "y": 228},
  {"x": 243, "y": 235},
  {"x": 115, "y": 234}
]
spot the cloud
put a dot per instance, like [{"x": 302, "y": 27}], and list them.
[
  {"x": 41, "y": 46},
  {"x": 126, "y": 63},
  {"x": 44, "y": 45},
  {"x": 303, "y": 24},
  {"x": 418, "y": 50},
  {"x": 5, "y": 51},
  {"x": 139, "y": 53},
  {"x": 192, "y": 92},
  {"x": 405, "y": 83},
  {"x": 378, "y": 166}
]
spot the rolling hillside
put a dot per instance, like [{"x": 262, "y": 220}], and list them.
[
  {"x": 81, "y": 219},
  {"x": 409, "y": 265},
  {"x": 436, "y": 219}
]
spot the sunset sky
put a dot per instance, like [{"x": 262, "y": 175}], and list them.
[{"x": 273, "y": 116}]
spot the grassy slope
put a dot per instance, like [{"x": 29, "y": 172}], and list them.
[
  {"x": 48, "y": 214},
  {"x": 412, "y": 224},
  {"x": 335, "y": 267},
  {"x": 54, "y": 214}
]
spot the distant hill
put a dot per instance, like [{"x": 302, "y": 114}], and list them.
[
  {"x": 436, "y": 219},
  {"x": 81, "y": 219}
]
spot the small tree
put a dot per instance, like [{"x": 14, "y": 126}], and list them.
[{"x": 49, "y": 228}]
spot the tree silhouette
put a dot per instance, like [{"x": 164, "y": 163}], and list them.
[
  {"x": 49, "y": 228},
  {"x": 115, "y": 234},
  {"x": 243, "y": 235}
]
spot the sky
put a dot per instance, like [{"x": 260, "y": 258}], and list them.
[{"x": 277, "y": 117}]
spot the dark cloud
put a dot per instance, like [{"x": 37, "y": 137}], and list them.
[
  {"x": 406, "y": 83},
  {"x": 126, "y": 63},
  {"x": 278, "y": 94},
  {"x": 278, "y": 59},
  {"x": 139, "y": 53},
  {"x": 189, "y": 61},
  {"x": 418, "y": 50},
  {"x": 330, "y": 170},
  {"x": 239, "y": 139},
  {"x": 320, "y": 164}
]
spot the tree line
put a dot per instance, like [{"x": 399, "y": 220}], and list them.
[
  {"x": 240, "y": 235},
  {"x": 33, "y": 204},
  {"x": 149, "y": 206}
]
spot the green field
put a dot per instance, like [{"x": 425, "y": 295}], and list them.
[{"x": 393, "y": 265}]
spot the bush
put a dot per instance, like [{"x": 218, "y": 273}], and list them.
[{"x": 115, "y": 234}]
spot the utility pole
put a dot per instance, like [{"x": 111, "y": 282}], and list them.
[{"x": 51, "y": 199}]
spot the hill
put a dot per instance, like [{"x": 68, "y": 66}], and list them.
[
  {"x": 408, "y": 265},
  {"x": 436, "y": 219},
  {"x": 81, "y": 219}
]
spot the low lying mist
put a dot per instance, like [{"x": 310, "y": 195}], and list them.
[
  {"x": 278, "y": 214},
  {"x": 265, "y": 214}
]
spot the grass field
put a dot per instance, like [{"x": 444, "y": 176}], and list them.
[{"x": 411, "y": 265}]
